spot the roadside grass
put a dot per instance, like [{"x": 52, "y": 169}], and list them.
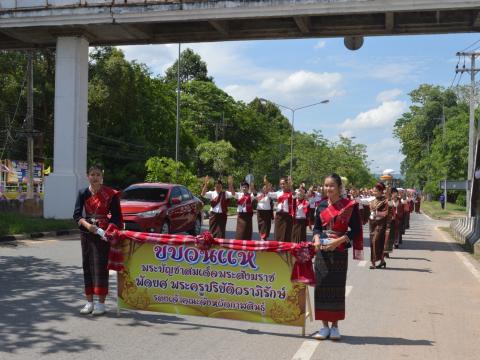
[
  {"x": 434, "y": 210},
  {"x": 12, "y": 224}
]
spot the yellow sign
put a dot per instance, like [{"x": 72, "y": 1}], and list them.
[{"x": 219, "y": 283}]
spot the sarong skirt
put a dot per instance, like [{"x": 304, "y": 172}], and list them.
[
  {"x": 331, "y": 277},
  {"x": 283, "y": 227},
  {"x": 95, "y": 262},
  {"x": 244, "y": 226},
  {"x": 217, "y": 224},
  {"x": 264, "y": 218},
  {"x": 299, "y": 231}
]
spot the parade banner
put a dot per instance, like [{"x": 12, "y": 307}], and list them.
[{"x": 216, "y": 281}]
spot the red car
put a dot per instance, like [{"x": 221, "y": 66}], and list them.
[{"x": 161, "y": 208}]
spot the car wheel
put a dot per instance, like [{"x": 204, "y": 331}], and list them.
[
  {"x": 165, "y": 228},
  {"x": 197, "y": 227}
]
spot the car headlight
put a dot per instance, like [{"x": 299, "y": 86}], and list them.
[{"x": 150, "y": 213}]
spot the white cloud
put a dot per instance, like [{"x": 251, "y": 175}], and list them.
[
  {"x": 240, "y": 77},
  {"x": 389, "y": 95},
  {"x": 379, "y": 117},
  {"x": 320, "y": 45}
]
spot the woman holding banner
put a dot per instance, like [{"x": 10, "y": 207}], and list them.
[
  {"x": 95, "y": 208},
  {"x": 332, "y": 237},
  {"x": 219, "y": 200}
]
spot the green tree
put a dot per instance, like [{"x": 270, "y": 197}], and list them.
[
  {"x": 431, "y": 152},
  {"x": 192, "y": 67},
  {"x": 167, "y": 170},
  {"x": 218, "y": 154}
]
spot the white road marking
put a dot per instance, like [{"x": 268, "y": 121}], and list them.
[
  {"x": 348, "y": 290},
  {"x": 111, "y": 272},
  {"x": 306, "y": 350},
  {"x": 362, "y": 263},
  {"x": 463, "y": 258}
]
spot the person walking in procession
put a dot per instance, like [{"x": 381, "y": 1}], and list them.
[
  {"x": 301, "y": 205},
  {"x": 244, "y": 211},
  {"x": 285, "y": 211},
  {"x": 337, "y": 227},
  {"x": 264, "y": 210},
  {"x": 96, "y": 207},
  {"x": 219, "y": 201},
  {"x": 378, "y": 226}
]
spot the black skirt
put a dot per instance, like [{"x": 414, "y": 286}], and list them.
[
  {"x": 331, "y": 278},
  {"x": 95, "y": 263}
]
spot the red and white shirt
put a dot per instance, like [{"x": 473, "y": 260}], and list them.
[
  {"x": 284, "y": 201},
  {"x": 213, "y": 196},
  {"x": 244, "y": 202},
  {"x": 301, "y": 209},
  {"x": 263, "y": 201}
]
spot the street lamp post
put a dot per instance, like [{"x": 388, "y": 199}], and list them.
[{"x": 293, "y": 110}]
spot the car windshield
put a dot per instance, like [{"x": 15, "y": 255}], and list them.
[{"x": 145, "y": 194}]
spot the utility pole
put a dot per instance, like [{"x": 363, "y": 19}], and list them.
[
  {"x": 177, "y": 127},
  {"x": 446, "y": 167},
  {"x": 29, "y": 124},
  {"x": 472, "y": 131}
]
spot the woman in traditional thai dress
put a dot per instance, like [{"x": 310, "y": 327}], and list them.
[
  {"x": 392, "y": 233},
  {"x": 299, "y": 229},
  {"x": 219, "y": 201},
  {"x": 378, "y": 226},
  {"x": 244, "y": 211},
  {"x": 285, "y": 213},
  {"x": 337, "y": 227},
  {"x": 264, "y": 210},
  {"x": 95, "y": 208},
  {"x": 417, "y": 201}
]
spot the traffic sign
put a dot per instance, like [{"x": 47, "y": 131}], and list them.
[{"x": 454, "y": 185}]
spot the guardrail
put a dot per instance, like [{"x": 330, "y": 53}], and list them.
[{"x": 467, "y": 231}]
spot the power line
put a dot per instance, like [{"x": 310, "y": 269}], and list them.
[{"x": 468, "y": 47}]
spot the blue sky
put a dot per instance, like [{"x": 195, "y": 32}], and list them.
[{"x": 368, "y": 88}]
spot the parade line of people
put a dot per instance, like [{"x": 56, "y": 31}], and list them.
[{"x": 334, "y": 214}]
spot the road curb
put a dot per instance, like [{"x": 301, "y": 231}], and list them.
[{"x": 38, "y": 235}]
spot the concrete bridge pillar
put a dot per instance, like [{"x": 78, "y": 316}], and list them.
[{"x": 70, "y": 138}]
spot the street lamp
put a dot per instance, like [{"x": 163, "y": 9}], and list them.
[{"x": 293, "y": 110}]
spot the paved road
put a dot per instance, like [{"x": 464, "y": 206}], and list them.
[{"x": 425, "y": 305}]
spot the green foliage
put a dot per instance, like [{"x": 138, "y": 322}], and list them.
[
  {"x": 433, "y": 153},
  {"x": 192, "y": 67},
  {"x": 218, "y": 154},
  {"x": 132, "y": 122},
  {"x": 167, "y": 170}
]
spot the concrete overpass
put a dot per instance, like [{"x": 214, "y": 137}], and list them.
[
  {"x": 26, "y": 23},
  {"x": 73, "y": 25}
]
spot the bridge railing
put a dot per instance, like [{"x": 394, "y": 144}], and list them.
[{"x": 47, "y": 4}]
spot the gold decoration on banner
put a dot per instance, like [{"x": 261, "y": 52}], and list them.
[{"x": 289, "y": 310}]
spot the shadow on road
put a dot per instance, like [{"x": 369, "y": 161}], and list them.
[
  {"x": 409, "y": 258},
  {"x": 381, "y": 340},
  {"x": 151, "y": 319},
  {"x": 408, "y": 269},
  {"x": 33, "y": 292},
  {"x": 430, "y": 245}
]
